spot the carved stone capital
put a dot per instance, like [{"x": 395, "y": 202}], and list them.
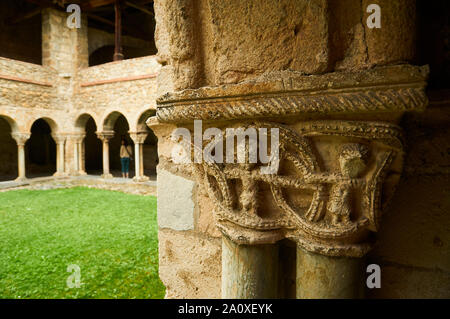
[
  {"x": 59, "y": 138},
  {"x": 138, "y": 137},
  {"x": 333, "y": 180},
  {"x": 105, "y": 136},
  {"x": 21, "y": 138},
  {"x": 77, "y": 137},
  {"x": 335, "y": 174}
]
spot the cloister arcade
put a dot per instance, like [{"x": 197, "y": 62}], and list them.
[{"x": 41, "y": 147}]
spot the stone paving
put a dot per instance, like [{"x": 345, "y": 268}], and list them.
[{"x": 115, "y": 184}]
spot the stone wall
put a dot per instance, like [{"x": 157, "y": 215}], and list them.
[
  {"x": 311, "y": 37},
  {"x": 205, "y": 44},
  {"x": 127, "y": 86},
  {"x": 63, "y": 48},
  {"x": 65, "y": 88},
  {"x": 29, "y": 91}
]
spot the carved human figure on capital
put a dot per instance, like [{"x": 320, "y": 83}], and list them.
[{"x": 352, "y": 162}]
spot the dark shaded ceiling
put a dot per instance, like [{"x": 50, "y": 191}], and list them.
[{"x": 137, "y": 15}]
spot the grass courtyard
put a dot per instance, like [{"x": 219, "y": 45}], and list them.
[{"x": 110, "y": 236}]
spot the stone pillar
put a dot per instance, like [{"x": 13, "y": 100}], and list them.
[
  {"x": 82, "y": 158},
  {"x": 64, "y": 49},
  {"x": 325, "y": 183},
  {"x": 105, "y": 137},
  {"x": 60, "y": 141},
  {"x": 338, "y": 277},
  {"x": 249, "y": 271},
  {"x": 78, "y": 168},
  {"x": 139, "y": 139},
  {"x": 21, "y": 139}
]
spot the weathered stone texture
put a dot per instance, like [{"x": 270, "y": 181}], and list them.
[
  {"x": 263, "y": 36},
  {"x": 175, "y": 204},
  {"x": 64, "y": 49},
  {"x": 144, "y": 66},
  {"x": 189, "y": 264},
  {"x": 291, "y": 61}
]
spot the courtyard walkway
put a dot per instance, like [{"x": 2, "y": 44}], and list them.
[{"x": 126, "y": 185}]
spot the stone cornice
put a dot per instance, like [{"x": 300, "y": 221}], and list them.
[
  {"x": 124, "y": 79},
  {"x": 385, "y": 89},
  {"x": 22, "y": 80}
]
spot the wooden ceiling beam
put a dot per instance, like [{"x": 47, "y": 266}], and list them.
[
  {"x": 130, "y": 31},
  {"x": 139, "y": 7},
  {"x": 24, "y": 16},
  {"x": 92, "y": 4}
]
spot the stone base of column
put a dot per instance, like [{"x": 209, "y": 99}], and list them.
[
  {"x": 59, "y": 174},
  {"x": 141, "y": 178},
  {"x": 20, "y": 179},
  {"x": 325, "y": 277},
  {"x": 81, "y": 173},
  {"x": 106, "y": 176}
]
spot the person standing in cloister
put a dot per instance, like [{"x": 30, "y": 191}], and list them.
[{"x": 125, "y": 157}]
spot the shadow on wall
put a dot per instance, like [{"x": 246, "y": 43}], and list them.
[
  {"x": 8, "y": 154},
  {"x": 93, "y": 148},
  {"x": 40, "y": 151},
  {"x": 150, "y": 150},
  {"x": 121, "y": 129}
]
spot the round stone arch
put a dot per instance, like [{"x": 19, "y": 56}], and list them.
[
  {"x": 116, "y": 125},
  {"x": 45, "y": 148},
  {"x": 9, "y": 139},
  {"x": 87, "y": 146},
  {"x": 141, "y": 124},
  {"x": 12, "y": 122},
  {"x": 82, "y": 120},
  {"x": 51, "y": 123},
  {"x": 110, "y": 119}
]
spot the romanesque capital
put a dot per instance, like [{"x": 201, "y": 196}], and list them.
[
  {"x": 138, "y": 137},
  {"x": 20, "y": 138},
  {"x": 339, "y": 154},
  {"x": 332, "y": 181},
  {"x": 59, "y": 138},
  {"x": 105, "y": 136},
  {"x": 77, "y": 137}
]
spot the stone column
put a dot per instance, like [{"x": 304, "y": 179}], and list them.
[
  {"x": 329, "y": 178},
  {"x": 60, "y": 141},
  {"x": 21, "y": 139},
  {"x": 78, "y": 140},
  {"x": 249, "y": 271},
  {"x": 339, "y": 277},
  {"x": 139, "y": 139},
  {"x": 105, "y": 137},
  {"x": 82, "y": 158}
]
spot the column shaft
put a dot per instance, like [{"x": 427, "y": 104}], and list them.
[
  {"x": 106, "y": 173},
  {"x": 21, "y": 161},
  {"x": 60, "y": 143},
  {"x": 76, "y": 156},
  {"x": 249, "y": 271},
  {"x": 141, "y": 160},
  {"x": 137, "y": 161},
  {"x": 82, "y": 157},
  {"x": 324, "y": 277}
]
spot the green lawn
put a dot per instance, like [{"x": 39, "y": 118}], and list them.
[{"x": 111, "y": 236}]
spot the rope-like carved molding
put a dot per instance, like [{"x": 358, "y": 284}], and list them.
[
  {"x": 361, "y": 100},
  {"x": 384, "y": 89}
]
